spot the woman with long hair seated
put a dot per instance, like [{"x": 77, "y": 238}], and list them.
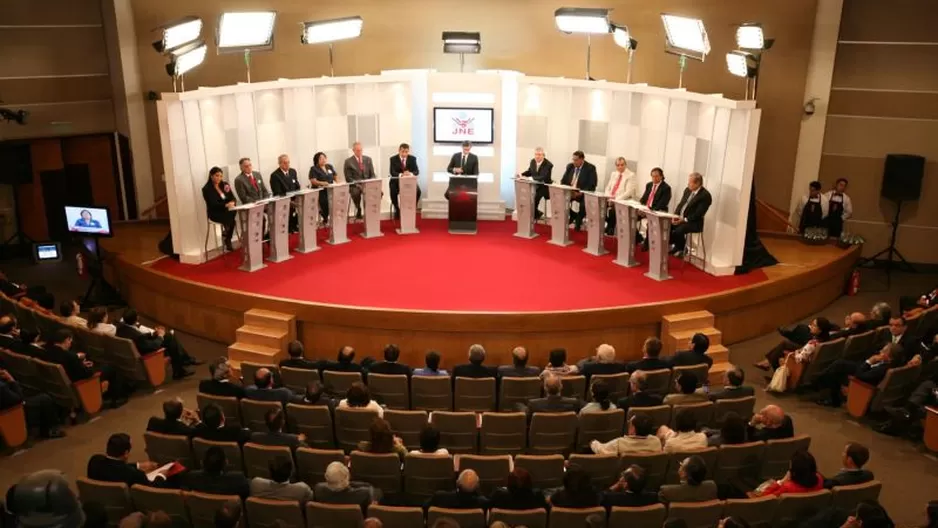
[
  {"x": 219, "y": 199},
  {"x": 358, "y": 397},
  {"x": 820, "y": 330},
  {"x": 802, "y": 477},
  {"x": 382, "y": 440},
  {"x": 600, "y": 392}
]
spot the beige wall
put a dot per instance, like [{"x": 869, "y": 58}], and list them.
[
  {"x": 884, "y": 99},
  {"x": 517, "y": 35}
]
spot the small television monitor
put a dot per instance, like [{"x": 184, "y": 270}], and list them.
[
  {"x": 47, "y": 252},
  {"x": 455, "y": 125},
  {"x": 88, "y": 220}
]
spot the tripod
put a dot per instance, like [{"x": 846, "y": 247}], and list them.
[
  {"x": 100, "y": 292},
  {"x": 890, "y": 252},
  {"x": 18, "y": 240}
]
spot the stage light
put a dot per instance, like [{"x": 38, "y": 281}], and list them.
[
  {"x": 737, "y": 62},
  {"x": 177, "y": 33},
  {"x": 750, "y": 36},
  {"x": 687, "y": 38},
  {"x": 329, "y": 31},
  {"x": 623, "y": 38},
  {"x": 582, "y": 20},
  {"x": 250, "y": 31},
  {"x": 186, "y": 59},
  {"x": 461, "y": 43}
]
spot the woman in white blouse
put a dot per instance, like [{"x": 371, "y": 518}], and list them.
[
  {"x": 358, "y": 397},
  {"x": 98, "y": 322}
]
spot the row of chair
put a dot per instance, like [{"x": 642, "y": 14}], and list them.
[{"x": 469, "y": 432}]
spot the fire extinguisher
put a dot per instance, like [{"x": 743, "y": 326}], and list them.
[
  {"x": 82, "y": 267},
  {"x": 853, "y": 285}
]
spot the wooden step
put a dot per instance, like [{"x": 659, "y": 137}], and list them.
[
  {"x": 676, "y": 341},
  {"x": 238, "y": 352},
  {"x": 271, "y": 319},
  {"x": 263, "y": 336},
  {"x": 719, "y": 354},
  {"x": 686, "y": 321},
  {"x": 716, "y": 373}
]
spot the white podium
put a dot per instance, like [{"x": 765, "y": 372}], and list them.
[
  {"x": 251, "y": 219},
  {"x": 338, "y": 212},
  {"x": 595, "y": 222},
  {"x": 525, "y": 190},
  {"x": 560, "y": 214},
  {"x": 279, "y": 208},
  {"x": 626, "y": 224},
  {"x": 371, "y": 194},
  {"x": 659, "y": 236},
  {"x": 407, "y": 201},
  {"x": 307, "y": 206}
]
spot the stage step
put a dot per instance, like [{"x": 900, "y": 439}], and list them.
[
  {"x": 263, "y": 335},
  {"x": 716, "y": 373},
  {"x": 677, "y": 341},
  {"x": 271, "y": 319},
  {"x": 686, "y": 321},
  {"x": 238, "y": 352},
  {"x": 719, "y": 354}
]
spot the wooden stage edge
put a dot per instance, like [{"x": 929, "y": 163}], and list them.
[{"x": 807, "y": 279}]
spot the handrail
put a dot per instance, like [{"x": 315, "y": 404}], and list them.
[
  {"x": 152, "y": 209},
  {"x": 776, "y": 214}
]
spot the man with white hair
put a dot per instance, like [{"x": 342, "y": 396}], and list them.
[
  {"x": 519, "y": 367},
  {"x": 539, "y": 170},
  {"x": 475, "y": 368},
  {"x": 338, "y": 489},
  {"x": 466, "y": 496},
  {"x": 357, "y": 167},
  {"x": 220, "y": 382},
  {"x": 621, "y": 185},
  {"x": 605, "y": 363}
]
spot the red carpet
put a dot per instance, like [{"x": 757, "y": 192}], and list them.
[{"x": 492, "y": 271}]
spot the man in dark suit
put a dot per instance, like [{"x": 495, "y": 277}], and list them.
[
  {"x": 10, "y": 336},
  {"x": 220, "y": 384},
  {"x": 147, "y": 341},
  {"x": 113, "y": 466},
  {"x": 657, "y": 196},
  {"x": 540, "y": 170},
  {"x": 639, "y": 395},
  {"x": 390, "y": 365},
  {"x": 283, "y": 181},
  {"x": 629, "y": 491},
  {"x": 297, "y": 358},
  {"x": 213, "y": 478},
  {"x": 692, "y": 208},
  {"x": 700, "y": 343},
  {"x": 338, "y": 489},
  {"x": 213, "y": 427},
  {"x": 770, "y": 423},
  {"x": 77, "y": 367},
  {"x": 733, "y": 387},
  {"x": 650, "y": 360},
  {"x": 519, "y": 367},
  {"x": 275, "y": 436},
  {"x": 401, "y": 165},
  {"x": 466, "y": 497},
  {"x": 248, "y": 184},
  {"x": 357, "y": 167},
  {"x": 581, "y": 175},
  {"x": 264, "y": 390},
  {"x": 693, "y": 487},
  {"x": 553, "y": 402},
  {"x": 899, "y": 334},
  {"x": 174, "y": 420},
  {"x": 872, "y": 371},
  {"x": 463, "y": 163},
  {"x": 605, "y": 363},
  {"x": 345, "y": 361},
  {"x": 475, "y": 368},
  {"x": 854, "y": 458}
]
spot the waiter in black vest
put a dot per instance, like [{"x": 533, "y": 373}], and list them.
[
  {"x": 840, "y": 208},
  {"x": 811, "y": 210}
]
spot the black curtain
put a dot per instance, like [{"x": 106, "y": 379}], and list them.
[{"x": 754, "y": 253}]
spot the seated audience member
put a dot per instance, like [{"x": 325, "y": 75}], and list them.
[
  {"x": 430, "y": 442},
  {"x": 152, "y": 339},
  {"x": 604, "y": 363},
  {"x": 854, "y": 323},
  {"x": 557, "y": 364},
  {"x": 114, "y": 467},
  {"x": 176, "y": 420},
  {"x": 685, "y": 437},
  {"x": 820, "y": 332},
  {"x": 854, "y": 458},
  {"x": 278, "y": 486},
  {"x": 77, "y": 367},
  {"x": 910, "y": 305},
  {"x": 475, "y": 368},
  {"x": 297, "y": 359},
  {"x": 640, "y": 438},
  {"x": 872, "y": 371},
  {"x": 358, "y": 397},
  {"x": 315, "y": 395},
  {"x": 553, "y": 401},
  {"x": 229, "y": 515},
  {"x": 770, "y": 423},
  {"x": 687, "y": 384},
  {"x": 40, "y": 409},
  {"x": 629, "y": 490},
  {"x": 599, "y": 390},
  {"x": 33, "y": 344},
  {"x": 220, "y": 383},
  {"x": 338, "y": 489},
  {"x": 382, "y": 440},
  {"x": 98, "y": 322},
  {"x": 69, "y": 312},
  {"x": 733, "y": 431},
  {"x": 733, "y": 387},
  {"x": 372, "y": 522},
  {"x": 10, "y": 337},
  {"x": 906, "y": 418},
  {"x": 466, "y": 497},
  {"x": 214, "y": 478},
  {"x": 694, "y": 486},
  {"x": 10, "y": 288},
  {"x": 43, "y": 499},
  {"x": 802, "y": 477},
  {"x": 275, "y": 420},
  {"x": 214, "y": 429},
  {"x": 518, "y": 493},
  {"x": 880, "y": 314},
  {"x": 263, "y": 389},
  {"x": 577, "y": 490},
  {"x": 697, "y": 355},
  {"x": 345, "y": 361},
  {"x": 432, "y": 368},
  {"x": 639, "y": 395},
  {"x": 519, "y": 367},
  {"x": 650, "y": 360},
  {"x": 390, "y": 365}
]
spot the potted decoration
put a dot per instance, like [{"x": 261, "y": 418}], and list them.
[
  {"x": 815, "y": 236},
  {"x": 848, "y": 240}
]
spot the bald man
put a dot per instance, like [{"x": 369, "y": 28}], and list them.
[
  {"x": 770, "y": 423},
  {"x": 553, "y": 401},
  {"x": 264, "y": 390},
  {"x": 10, "y": 337},
  {"x": 854, "y": 323},
  {"x": 466, "y": 496},
  {"x": 357, "y": 167},
  {"x": 519, "y": 367}
]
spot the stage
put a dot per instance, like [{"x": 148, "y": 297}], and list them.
[{"x": 445, "y": 292}]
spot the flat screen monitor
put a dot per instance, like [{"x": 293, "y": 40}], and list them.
[
  {"x": 47, "y": 252},
  {"x": 89, "y": 220},
  {"x": 455, "y": 125}
]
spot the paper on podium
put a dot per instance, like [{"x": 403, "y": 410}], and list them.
[{"x": 643, "y": 208}]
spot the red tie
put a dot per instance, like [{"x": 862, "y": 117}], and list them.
[
  {"x": 254, "y": 182},
  {"x": 360, "y": 166},
  {"x": 651, "y": 195},
  {"x": 403, "y": 165},
  {"x": 616, "y": 187}
]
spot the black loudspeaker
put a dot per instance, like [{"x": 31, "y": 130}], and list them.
[
  {"x": 17, "y": 164},
  {"x": 902, "y": 177}
]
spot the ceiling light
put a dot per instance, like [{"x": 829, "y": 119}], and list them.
[
  {"x": 582, "y": 20},
  {"x": 178, "y": 33},
  {"x": 246, "y": 31},
  {"x": 324, "y": 31},
  {"x": 462, "y": 42}
]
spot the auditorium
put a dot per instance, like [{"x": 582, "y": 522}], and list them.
[{"x": 446, "y": 264}]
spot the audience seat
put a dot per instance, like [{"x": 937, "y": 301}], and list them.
[
  {"x": 536, "y": 518},
  {"x": 659, "y": 414},
  {"x": 709, "y": 456},
  {"x": 257, "y": 458},
  {"x": 758, "y": 512},
  {"x": 431, "y": 393},
  {"x": 253, "y": 412},
  {"x": 397, "y": 516},
  {"x": 232, "y": 453},
  {"x": 931, "y": 429},
  {"x": 643, "y": 516},
  {"x": 546, "y": 470},
  {"x": 739, "y": 465},
  {"x": 778, "y": 455},
  {"x": 202, "y": 507},
  {"x": 391, "y": 391},
  {"x": 424, "y": 474},
  {"x": 84, "y": 395},
  {"x": 474, "y": 394},
  {"x": 654, "y": 464},
  {"x": 296, "y": 379},
  {"x": 696, "y": 514},
  {"x": 407, "y": 425},
  {"x": 847, "y": 497},
  {"x": 744, "y": 407},
  {"x": 113, "y": 496},
  {"x": 23, "y": 369},
  {"x": 170, "y": 501},
  {"x": 339, "y": 382},
  {"x": 603, "y": 469},
  {"x": 93, "y": 345},
  {"x": 514, "y": 391},
  {"x": 603, "y": 426},
  {"x": 658, "y": 381},
  {"x": 311, "y": 463},
  {"x": 503, "y": 433},
  {"x": 618, "y": 384},
  {"x": 857, "y": 346},
  {"x": 320, "y": 515},
  {"x": 381, "y": 470},
  {"x": 573, "y": 387},
  {"x": 458, "y": 431},
  {"x": 895, "y": 387},
  {"x": 701, "y": 371},
  {"x": 315, "y": 421},
  {"x": 807, "y": 373},
  {"x": 268, "y": 513},
  {"x": 703, "y": 413},
  {"x": 796, "y": 507},
  {"x": 569, "y": 517},
  {"x": 13, "y": 430},
  {"x": 228, "y": 404},
  {"x": 463, "y": 518},
  {"x": 352, "y": 426},
  {"x": 552, "y": 433},
  {"x": 492, "y": 469},
  {"x": 123, "y": 355},
  {"x": 163, "y": 448}
]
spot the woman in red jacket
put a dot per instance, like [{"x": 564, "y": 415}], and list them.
[{"x": 802, "y": 477}]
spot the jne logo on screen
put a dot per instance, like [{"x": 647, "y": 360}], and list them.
[{"x": 463, "y": 125}]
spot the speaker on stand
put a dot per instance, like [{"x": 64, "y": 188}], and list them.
[{"x": 902, "y": 182}]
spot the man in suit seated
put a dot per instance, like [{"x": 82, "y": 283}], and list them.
[
  {"x": 605, "y": 363},
  {"x": 214, "y": 478},
  {"x": 345, "y": 361},
  {"x": 176, "y": 420},
  {"x": 686, "y": 383},
  {"x": 114, "y": 467},
  {"x": 553, "y": 402},
  {"x": 854, "y": 458},
  {"x": 283, "y": 181},
  {"x": 519, "y": 367},
  {"x": 854, "y": 323},
  {"x": 356, "y": 168},
  {"x": 639, "y": 395},
  {"x": 220, "y": 384},
  {"x": 278, "y": 486},
  {"x": 316, "y": 395},
  {"x": 297, "y": 358},
  {"x": 621, "y": 185},
  {"x": 390, "y": 365},
  {"x": 693, "y": 487},
  {"x": 248, "y": 183},
  {"x": 640, "y": 438},
  {"x": 466, "y": 496},
  {"x": 150, "y": 340},
  {"x": 338, "y": 489},
  {"x": 581, "y": 175},
  {"x": 880, "y": 314},
  {"x": 697, "y": 355},
  {"x": 899, "y": 334},
  {"x": 651, "y": 349},
  {"x": 214, "y": 429},
  {"x": 770, "y": 423},
  {"x": 733, "y": 387},
  {"x": 41, "y": 411},
  {"x": 264, "y": 390},
  {"x": 275, "y": 420},
  {"x": 692, "y": 208},
  {"x": 872, "y": 371},
  {"x": 629, "y": 491},
  {"x": 657, "y": 197},
  {"x": 401, "y": 165},
  {"x": 78, "y": 367},
  {"x": 539, "y": 169},
  {"x": 475, "y": 368},
  {"x": 10, "y": 336}
]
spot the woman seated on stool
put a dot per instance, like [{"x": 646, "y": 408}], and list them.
[
  {"x": 322, "y": 174},
  {"x": 218, "y": 202}
]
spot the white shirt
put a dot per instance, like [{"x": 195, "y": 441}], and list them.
[
  {"x": 628, "y": 189},
  {"x": 372, "y": 406},
  {"x": 105, "y": 329},
  {"x": 77, "y": 320},
  {"x": 848, "y": 204},
  {"x": 627, "y": 444},
  {"x": 795, "y": 218},
  {"x": 690, "y": 441}
]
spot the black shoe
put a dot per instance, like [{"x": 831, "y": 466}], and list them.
[
  {"x": 193, "y": 362},
  {"x": 645, "y": 246},
  {"x": 182, "y": 374},
  {"x": 53, "y": 433},
  {"x": 358, "y": 215},
  {"x": 228, "y": 246}
]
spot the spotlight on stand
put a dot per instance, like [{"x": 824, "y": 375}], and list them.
[
  {"x": 750, "y": 37},
  {"x": 588, "y": 20},
  {"x": 330, "y": 31},
  {"x": 185, "y": 59},
  {"x": 175, "y": 34},
  {"x": 245, "y": 32},
  {"x": 687, "y": 38},
  {"x": 623, "y": 39},
  {"x": 462, "y": 42}
]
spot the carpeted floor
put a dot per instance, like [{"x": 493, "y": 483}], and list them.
[
  {"x": 909, "y": 473},
  {"x": 450, "y": 268}
]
